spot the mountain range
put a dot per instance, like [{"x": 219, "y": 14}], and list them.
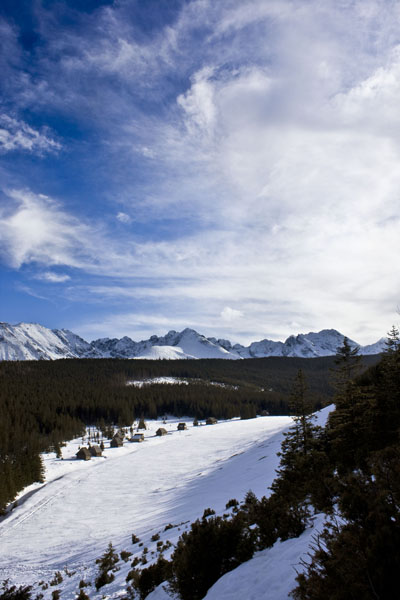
[{"x": 31, "y": 341}]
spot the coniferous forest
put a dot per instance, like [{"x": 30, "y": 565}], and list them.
[{"x": 43, "y": 403}]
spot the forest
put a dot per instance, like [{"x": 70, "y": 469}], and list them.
[{"x": 43, "y": 403}]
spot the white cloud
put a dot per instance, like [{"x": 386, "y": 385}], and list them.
[
  {"x": 35, "y": 229},
  {"x": 230, "y": 314},
  {"x": 54, "y": 277},
  {"x": 198, "y": 102},
  {"x": 123, "y": 217},
  {"x": 18, "y": 135},
  {"x": 282, "y": 155}
]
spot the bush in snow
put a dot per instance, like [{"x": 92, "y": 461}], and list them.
[
  {"x": 212, "y": 547},
  {"x": 13, "y": 593},
  {"x": 146, "y": 580}
]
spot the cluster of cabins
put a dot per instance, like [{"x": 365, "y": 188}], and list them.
[
  {"x": 118, "y": 439},
  {"x": 87, "y": 453}
]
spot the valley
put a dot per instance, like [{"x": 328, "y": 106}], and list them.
[{"x": 67, "y": 521}]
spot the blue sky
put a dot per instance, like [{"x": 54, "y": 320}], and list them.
[{"x": 229, "y": 166}]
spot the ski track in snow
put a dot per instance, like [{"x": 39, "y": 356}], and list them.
[{"x": 139, "y": 488}]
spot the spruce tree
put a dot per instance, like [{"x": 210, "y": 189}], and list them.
[
  {"x": 385, "y": 407},
  {"x": 107, "y": 567},
  {"x": 346, "y": 425},
  {"x": 301, "y": 406},
  {"x": 299, "y": 439},
  {"x": 299, "y": 458}
]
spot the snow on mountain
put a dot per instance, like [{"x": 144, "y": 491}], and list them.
[
  {"x": 174, "y": 345},
  {"x": 377, "y": 348},
  {"x": 261, "y": 349},
  {"x": 30, "y": 341},
  {"x": 164, "y": 353},
  {"x": 323, "y": 343},
  {"x": 309, "y": 345},
  {"x": 196, "y": 345}
]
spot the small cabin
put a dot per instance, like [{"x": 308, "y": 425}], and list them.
[
  {"x": 211, "y": 421},
  {"x": 264, "y": 413},
  {"x": 95, "y": 450},
  {"x": 83, "y": 454},
  {"x": 116, "y": 442},
  {"x": 138, "y": 437},
  {"x": 182, "y": 426},
  {"x": 161, "y": 431}
]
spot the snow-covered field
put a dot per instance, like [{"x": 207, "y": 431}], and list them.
[
  {"x": 68, "y": 521},
  {"x": 178, "y": 381}
]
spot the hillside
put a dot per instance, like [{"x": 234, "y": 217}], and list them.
[{"x": 139, "y": 489}]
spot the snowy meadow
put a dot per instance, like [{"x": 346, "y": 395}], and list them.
[{"x": 64, "y": 524}]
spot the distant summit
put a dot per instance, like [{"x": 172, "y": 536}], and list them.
[{"x": 31, "y": 341}]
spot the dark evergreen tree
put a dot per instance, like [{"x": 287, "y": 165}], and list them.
[
  {"x": 299, "y": 441},
  {"x": 349, "y": 416},
  {"x": 384, "y": 413},
  {"x": 107, "y": 567},
  {"x": 212, "y": 547}
]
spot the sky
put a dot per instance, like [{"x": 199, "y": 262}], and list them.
[{"x": 230, "y": 166}]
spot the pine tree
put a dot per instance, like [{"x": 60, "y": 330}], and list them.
[
  {"x": 348, "y": 365},
  {"x": 385, "y": 407},
  {"x": 301, "y": 406},
  {"x": 107, "y": 567},
  {"x": 300, "y": 457},
  {"x": 393, "y": 340},
  {"x": 346, "y": 425}
]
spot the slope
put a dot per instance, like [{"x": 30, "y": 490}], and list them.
[{"x": 139, "y": 488}]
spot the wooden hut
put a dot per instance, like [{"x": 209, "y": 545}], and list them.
[
  {"x": 264, "y": 413},
  {"x": 83, "y": 454},
  {"x": 161, "y": 431},
  {"x": 116, "y": 442},
  {"x": 182, "y": 426},
  {"x": 138, "y": 437},
  {"x": 211, "y": 421},
  {"x": 95, "y": 450}
]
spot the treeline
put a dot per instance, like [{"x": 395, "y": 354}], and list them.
[
  {"x": 43, "y": 403},
  {"x": 349, "y": 470}
]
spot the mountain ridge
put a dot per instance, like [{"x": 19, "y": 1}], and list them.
[{"x": 32, "y": 341}]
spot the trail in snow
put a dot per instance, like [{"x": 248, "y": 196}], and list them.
[
  {"x": 141, "y": 488},
  {"x": 138, "y": 488}
]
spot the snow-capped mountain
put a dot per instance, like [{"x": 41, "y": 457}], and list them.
[
  {"x": 185, "y": 344},
  {"x": 31, "y": 341},
  {"x": 324, "y": 343}
]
